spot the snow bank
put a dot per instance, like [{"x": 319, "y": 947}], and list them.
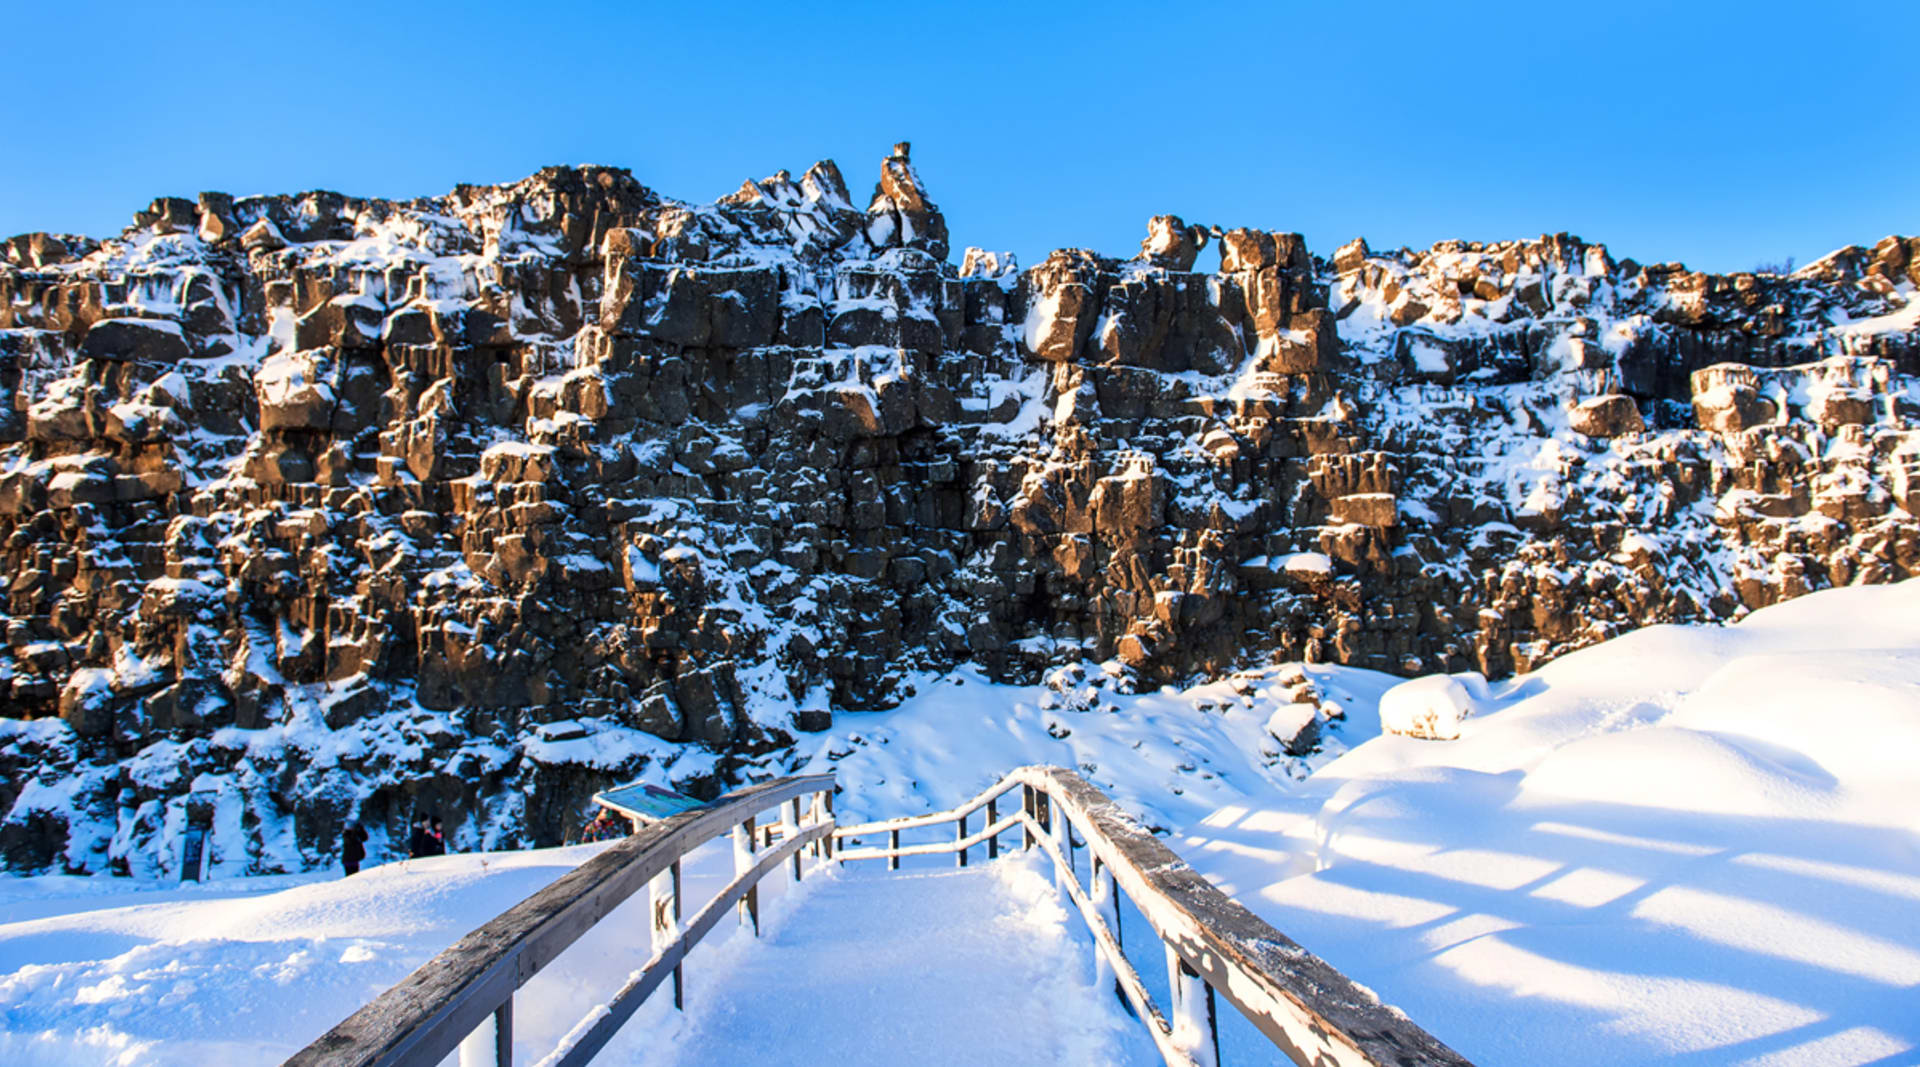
[
  {"x": 1169, "y": 756},
  {"x": 119, "y": 971},
  {"x": 1686, "y": 845}
]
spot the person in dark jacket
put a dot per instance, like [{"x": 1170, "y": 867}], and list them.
[
  {"x": 428, "y": 838},
  {"x": 353, "y": 847}
]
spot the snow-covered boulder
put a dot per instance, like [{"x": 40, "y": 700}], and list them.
[
  {"x": 1296, "y": 726},
  {"x": 1431, "y": 708},
  {"x": 1606, "y": 416}
]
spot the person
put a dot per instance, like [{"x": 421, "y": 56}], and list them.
[
  {"x": 428, "y": 838},
  {"x": 353, "y": 846},
  {"x": 605, "y": 826}
]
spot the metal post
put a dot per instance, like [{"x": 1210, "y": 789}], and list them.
[
  {"x": 664, "y": 896},
  {"x": 742, "y": 863},
  {"x": 993, "y": 840},
  {"x": 961, "y": 835},
  {"x": 790, "y": 826}
]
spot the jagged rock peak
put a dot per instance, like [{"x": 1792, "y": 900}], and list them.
[
  {"x": 902, "y": 213},
  {"x": 1171, "y": 243}
]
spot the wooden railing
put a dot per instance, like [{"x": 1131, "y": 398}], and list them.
[
  {"x": 1213, "y": 946},
  {"x": 465, "y": 994}
]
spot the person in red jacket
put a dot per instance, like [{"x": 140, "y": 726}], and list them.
[
  {"x": 603, "y": 827},
  {"x": 428, "y": 838}
]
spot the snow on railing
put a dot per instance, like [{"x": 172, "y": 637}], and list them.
[
  {"x": 1213, "y": 945},
  {"x": 463, "y": 998}
]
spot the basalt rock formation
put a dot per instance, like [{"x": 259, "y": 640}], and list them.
[{"x": 313, "y": 505}]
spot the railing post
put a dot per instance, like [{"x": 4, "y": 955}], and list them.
[
  {"x": 893, "y": 843},
  {"x": 1105, "y": 890},
  {"x": 1102, "y": 894},
  {"x": 1031, "y": 810},
  {"x": 492, "y": 1041},
  {"x": 993, "y": 840},
  {"x": 664, "y": 895},
  {"x": 1193, "y": 1023},
  {"x": 961, "y": 835},
  {"x": 503, "y": 1033},
  {"x": 742, "y": 863},
  {"x": 1113, "y": 899},
  {"x": 1062, "y": 830},
  {"x": 826, "y": 806},
  {"x": 790, "y": 824},
  {"x": 817, "y": 816}
]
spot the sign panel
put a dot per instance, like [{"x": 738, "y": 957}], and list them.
[{"x": 647, "y": 803}]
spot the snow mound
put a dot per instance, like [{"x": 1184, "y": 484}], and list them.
[
  {"x": 1689, "y": 845},
  {"x": 1818, "y": 707},
  {"x": 1685, "y": 770},
  {"x": 1433, "y": 707}
]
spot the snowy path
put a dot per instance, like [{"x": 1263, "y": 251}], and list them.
[
  {"x": 961, "y": 966},
  {"x": 854, "y": 966}
]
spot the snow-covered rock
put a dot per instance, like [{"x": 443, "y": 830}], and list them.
[
  {"x": 1295, "y": 726},
  {"x": 1432, "y": 707}
]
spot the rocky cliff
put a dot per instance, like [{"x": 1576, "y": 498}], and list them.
[{"x": 313, "y": 505}]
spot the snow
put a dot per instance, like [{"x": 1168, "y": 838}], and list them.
[
  {"x": 1170, "y": 756},
  {"x": 1695, "y": 845},
  {"x": 128, "y": 971},
  {"x": 943, "y": 967},
  {"x": 108, "y": 971},
  {"x": 1687, "y": 845},
  {"x": 1427, "y": 358},
  {"x": 1041, "y": 321},
  {"x": 1431, "y": 707}
]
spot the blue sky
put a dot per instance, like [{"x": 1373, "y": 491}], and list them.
[{"x": 1721, "y": 134}]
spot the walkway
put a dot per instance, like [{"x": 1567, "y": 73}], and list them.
[{"x": 974, "y": 966}]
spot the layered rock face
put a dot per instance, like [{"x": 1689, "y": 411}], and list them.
[{"x": 315, "y": 506}]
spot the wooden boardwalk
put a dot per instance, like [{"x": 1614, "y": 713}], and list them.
[
  {"x": 974, "y": 966},
  {"x": 1214, "y": 949}
]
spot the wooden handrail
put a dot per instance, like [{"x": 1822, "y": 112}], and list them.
[
  {"x": 933, "y": 848},
  {"x": 1315, "y": 1014},
  {"x": 1213, "y": 945},
  {"x": 936, "y": 818},
  {"x": 430, "y": 1012},
  {"x": 1310, "y": 1011}
]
